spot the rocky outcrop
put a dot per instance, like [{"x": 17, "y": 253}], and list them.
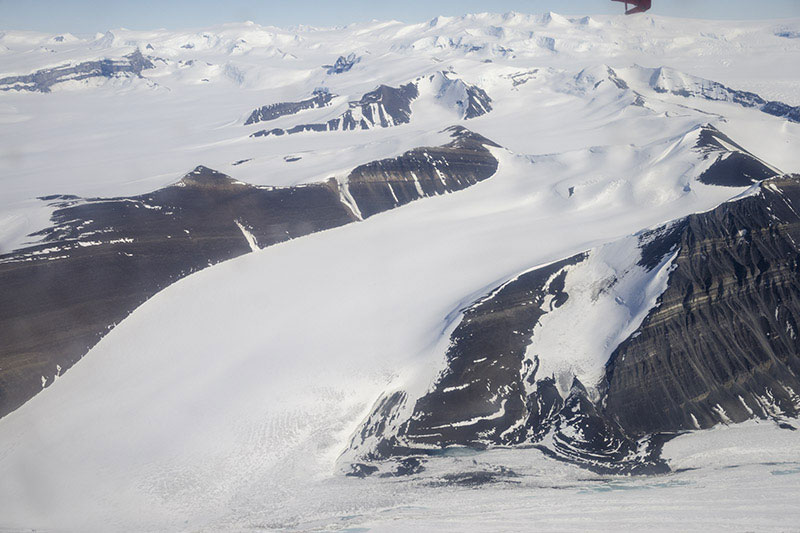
[
  {"x": 43, "y": 80},
  {"x": 321, "y": 98},
  {"x": 342, "y": 64},
  {"x": 103, "y": 257},
  {"x": 384, "y": 107},
  {"x": 708, "y": 308},
  {"x": 667, "y": 80},
  {"x": 733, "y": 166},
  {"x": 490, "y": 393},
  {"x": 478, "y": 102},
  {"x": 388, "y": 183},
  {"x": 470, "y": 100},
  {"x": 722, "y": 344},
  {"x": 480, "y": 397}
]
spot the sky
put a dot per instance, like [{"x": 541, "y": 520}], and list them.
[{"x": 91, "y": 16}]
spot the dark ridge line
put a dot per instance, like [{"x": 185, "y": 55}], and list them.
[
  {"x": 320, "y": 98},
  {"x": 382, "y": 107},
  {"x": 743, "y": 98}
]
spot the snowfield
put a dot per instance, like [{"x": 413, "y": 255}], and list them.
[{"x": 226, "y": 401}]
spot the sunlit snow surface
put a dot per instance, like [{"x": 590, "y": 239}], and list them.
[
  {"x": 225, "y": 401},
  {"x": 131, "y": 135}
]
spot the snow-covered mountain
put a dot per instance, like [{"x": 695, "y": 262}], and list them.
[{"x": 244, "y": 267}]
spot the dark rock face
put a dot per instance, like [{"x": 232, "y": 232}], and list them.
[
  {"x": 471, "y": 100},
  {"x": 388, "y": 183},
  {"x": 489, "y": 394},
  {"x": 616, "y": 80},
  {"x": 321, "y": 98},
  {"x": 779, "y": 109},
  {"x": 387, "y": 106},
  {"x": 481, "y": 395},
  {"x": 342, "y": 64},
  {"x": 523, "y": 77},
  {"x": 581, "y": 434},
  {"x": 734, "y": 166},
  {"x": 478, "y": 102},
  {"x": 42, "y": 80},
  {"x": 103, "y": 257},
  {"x": 384, "y": 107},
  {"x": 477, "y": 478},
  {"x": 362, "y": 470},
  {"x": 722, "y": 343},
  {"x": 788, "y": 34}
]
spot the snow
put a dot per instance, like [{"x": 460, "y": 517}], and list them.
[
  {"x": 472, "y": 421},
  {"x": 249, "y": 237},
  {"x": 608, "y": 300},
  {"x": 279, "y": 354},
  {"x": 746, "y": 478},
  {"x": 225, "y": 401},
  {"x": 110, "y": 153}
]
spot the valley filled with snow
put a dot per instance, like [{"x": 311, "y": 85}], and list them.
[{"x": 230, "y": 399}]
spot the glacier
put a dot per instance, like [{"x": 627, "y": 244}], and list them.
[{"x": 230, "y": 399}]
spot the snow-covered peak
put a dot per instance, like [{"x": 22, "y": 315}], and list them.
[
  {"x": 669, "y": 80},
  {"x": 104, "y": 40},
  {"x": 552, "y": 19},
  {"x": 467, "y": 101}
]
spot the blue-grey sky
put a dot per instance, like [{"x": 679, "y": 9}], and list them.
[{"x": 89, "y": 16}]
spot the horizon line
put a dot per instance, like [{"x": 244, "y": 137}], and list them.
[{"x": 294, "y": 27}]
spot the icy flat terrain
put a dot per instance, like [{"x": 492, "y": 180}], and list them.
[
  {"x": 225, "y": 401},
  {"x": 731, "y": 478}
]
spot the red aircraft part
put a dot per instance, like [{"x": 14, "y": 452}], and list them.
[{"x": 639, "y": 6}]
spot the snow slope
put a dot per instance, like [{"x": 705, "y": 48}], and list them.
[
  {"x": 608, "y": 300},
  {"x": 128, "y": 135},
  {"x": 224, "y": 401},
  {"x": 277, "y": 356}
]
